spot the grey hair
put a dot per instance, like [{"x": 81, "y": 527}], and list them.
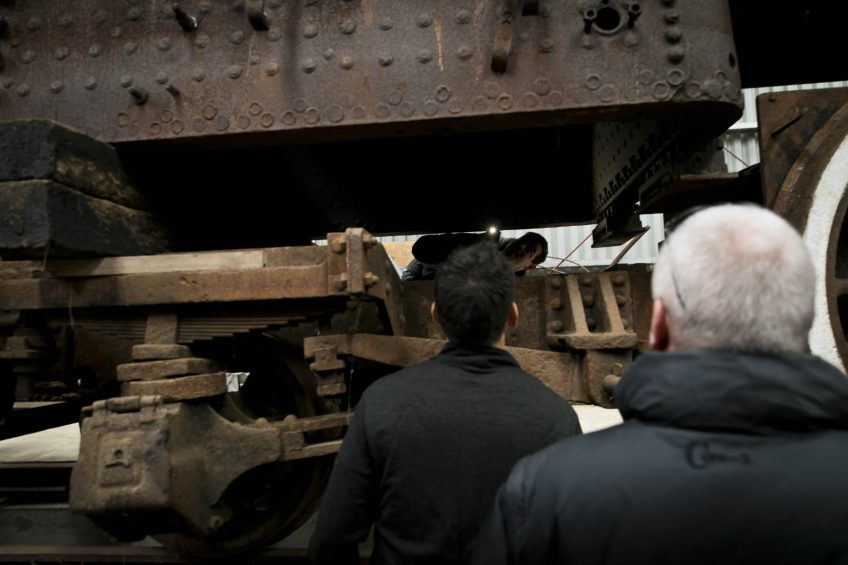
[{"x": 736, "y": 277}]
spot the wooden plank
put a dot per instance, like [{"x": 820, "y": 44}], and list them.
[
  {"x": 164, "y": 263},
  {"x": 166, "y": 288}
]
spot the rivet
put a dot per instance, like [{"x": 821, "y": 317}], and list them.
[
  {"x": 126, "y": 81},
  {"x": 23, "y": 90},
  {"x": 34, "y": 24},
  {"x": 491, "y": 89},
  {"x": 198, "y": 75},
  {"x": 407, "y": 109},
  {"x": 712, "y": 88},
  {"x": 607, "y": 93},
  {"x": 586, "y": 281},
  {"x": 237, "y": 37},
  {"x": 94, "y": 50},
  {"x": 28, "y": 56},
  {"x": 621, "y": 300},
  {"x": 557, "y": 326},
  {"x": 591, "y": 323},
  {"x": 334, "y": 113},
  {"x": 56, "y": 86},
  {"x": 309, "y": 65},
  {"x": 289, "y": 118},
  {"x": 541, "y": 86},
  {"x": 312, "y": 116},
  {"x": 274, "y": 34},
  {"x": 61, "y": 53},
  {"x": 139, "y": 95},
  {"x": 167, "y": 116},
  {"x": 346, "y": 63},
  {"x": 443, "y": 93},
  {"x": 123, "y": 120},
  {"x": 455, "y": 107},
  {"x": 385, "y": 24},
  {"x": 618, "y": 280},
  {"x": 504, "y": 101},
  {"x": 116, "y": 32},
  {"x": 431, "y": 108},
  {"x": 555, "y": 304},
  {"x": 464, "y": 52},
  {"x": 424, "y": 20},
  {"x": 234, "y": 71},
  {"x": 209, "y": 111},
  {"x": 272, "y": 69},
  {"x": 329, "y": 53},
  {"x": 267, "y": 120},
  {"x": 385, "y": 59},
  {"x": 130, "y": 47},
  {"x": 300, "y": 105},
  {"x": 462, "y": 17},
  {"x": 198, "y": 125},
  {"x": 424, "y": 56},
  {"x": 546, "y": 45},
  {"x": 588, "y": 300},
  {"x": 530, "y": 100},
  {"x": 671, "y": 17},
  {"x": 593, "y": 81},
  {"x": 347, "y": 27},
  {"x": 133, "y": 14},
  {"x": 90, "y": 83},
  {"x": 161, "y": 77},
  {"x": 555, "y": 98},
  {"x": 676, "y": 54},
  {"x": 358, "y": 113},
  {"x": 382, "y": 111},
  {"x": 675, "y": 77},
  {"x": 631, "y": 39},
  {"x": 395, "y": 97},
  {"x": 155, "y": 128},
  {"x": 222, "y": 123},
  {"x": 255, "y": 109},
  {"x": 177, "y": 127},
  {"x": 201, "y": 41},
  {"x": 310, "y": 31},
  {"x": 480, "y": 104},
  {"x": 164, "y": 43},
  {"x": 693, "y": 89},
  {"x": 673, "y": 35},
  {"x": 243, "y": 122}
]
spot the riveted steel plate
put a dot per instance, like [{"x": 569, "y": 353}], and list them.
[{"x": 128, "y": 71}]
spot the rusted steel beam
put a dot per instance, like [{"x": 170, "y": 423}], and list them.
[
  {"x": 123, "y": 72},
  {"x": 560, "y": 371}
]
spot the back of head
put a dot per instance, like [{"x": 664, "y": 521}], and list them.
[
  {"x": 473, "y": 291},
  {"x": 736, "y": 277}
]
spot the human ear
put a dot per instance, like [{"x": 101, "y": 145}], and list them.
[{"x": 659, "y": 338}]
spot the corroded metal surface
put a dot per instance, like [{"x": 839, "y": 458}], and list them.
[{"x": 140, "y": 71}]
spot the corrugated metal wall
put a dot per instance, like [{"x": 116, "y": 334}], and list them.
[{"x": 741, "y": 150}]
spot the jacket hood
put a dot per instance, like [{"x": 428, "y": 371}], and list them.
[{"x": 721, "y": 390}]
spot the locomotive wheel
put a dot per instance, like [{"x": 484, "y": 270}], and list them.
[
  {"x": 812, "y": 196},
  {"x": 826, "y": 235},
  {"x": 268, "y": 502}
]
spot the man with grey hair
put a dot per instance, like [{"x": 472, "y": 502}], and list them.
[{"x": 734, "y": 446}]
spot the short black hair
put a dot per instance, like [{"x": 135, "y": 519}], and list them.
[{"x": 473, "y": 290}]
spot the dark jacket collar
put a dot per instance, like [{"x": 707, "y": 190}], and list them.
[
  {"x": 727, "y": 391},
  {"x": 475, "y": 359}
]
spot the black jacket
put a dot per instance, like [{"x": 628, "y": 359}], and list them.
[
  {"x": 722, "y": 458},
  {"x": 427, "y": 450}
]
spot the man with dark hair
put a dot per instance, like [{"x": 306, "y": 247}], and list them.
[
  {"x": 429, "y": 445},
  {"x": 734, "y": 446}
]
